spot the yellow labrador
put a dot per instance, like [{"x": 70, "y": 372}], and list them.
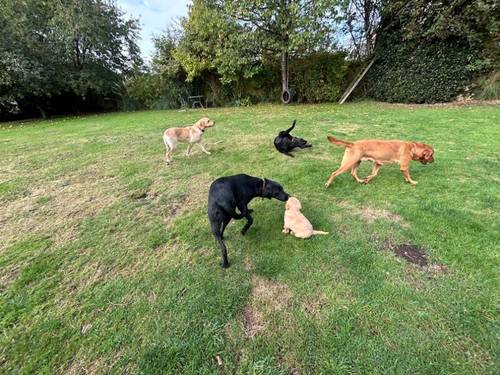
[
  {"x": 191, "y": 135},
  {"x": 295, "y": 222}
]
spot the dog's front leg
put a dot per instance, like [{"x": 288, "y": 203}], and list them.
[
  {"x": 203, "y": 148},
  {"x": 406, "y": 173},
  {"x": 188, "y": 150},
  {"x": 246, "y": 212}
]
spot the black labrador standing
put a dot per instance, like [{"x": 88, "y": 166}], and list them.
[
  {"x": 285, "y": 142},
  {"x": 231, "y": 192}
]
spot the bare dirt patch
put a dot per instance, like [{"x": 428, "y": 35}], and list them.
[
  {"x": 267, "y": 297},
  {"x": 417, "y": 260},
  {"x": 253, "y": 322},
  {"x": 185, "y": 199},
  {"x": 434, "y": 270},
  {"x": 411, "y": 253},
  {"x": 371, "y": 214},
  {"x": 314, "y": 306},
  {"x": 247, "y": 264},
  {"x": 70, "y": 201},
  {"x": 9, "y": 274},
  {"x": 273, "y": 295}
]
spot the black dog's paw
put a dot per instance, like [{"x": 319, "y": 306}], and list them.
[
  {"x": 224, "y": 264},
  {"x": 250, "y": 210},
  {"x": 243, "y": 231}
]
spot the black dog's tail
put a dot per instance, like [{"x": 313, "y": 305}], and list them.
[{"x": 291, "y": 127}]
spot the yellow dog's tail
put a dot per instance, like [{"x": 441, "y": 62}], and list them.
[
  {"x": 319, "y": 232},
  {"x": 338, "y": 142}
]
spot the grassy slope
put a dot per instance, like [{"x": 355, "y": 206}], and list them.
[{"x": 107, "y": 262}]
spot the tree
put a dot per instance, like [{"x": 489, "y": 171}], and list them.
[
  {"x": 161, "y": 85},
  {"x": 362, "y": 18},
  {"x": 431, "y": 51},
  {"x": 63, "y": 46},
  {"x": 427, "y": 21},
  {"x": 283, "y": 27},
  {"x": 475, "y": 20},
  {"x": 211, "y": 41}
]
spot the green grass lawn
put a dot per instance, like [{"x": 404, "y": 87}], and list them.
[{"x": 107, "y": 262}]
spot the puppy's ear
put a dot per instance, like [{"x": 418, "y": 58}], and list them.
[{"x": 298, "y": 204}]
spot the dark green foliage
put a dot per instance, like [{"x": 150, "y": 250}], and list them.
[
  {"x": 151, "y": 91},
  {"x": 314, "y": 78},
  {"x": 430, "y": 51},
  {"x": 319, "y": 77},
  {"x": 70, "y": 49},
  {"x": 416, "y": 72}
]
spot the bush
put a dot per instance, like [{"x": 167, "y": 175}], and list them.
[
  {"x": 412, "y": 71},
  {"x": 319, "y": 77},
  {"x": 151, "y": 91},
  {"x": 487, "y": 88}
]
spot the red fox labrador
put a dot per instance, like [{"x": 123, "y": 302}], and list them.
[
  {"x": 191, "y": 135},
  {"x": 380, "y": 152}
]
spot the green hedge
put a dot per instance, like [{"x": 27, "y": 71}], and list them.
[
  {"x": 413, "y": 71},
  {"x": 319, "y": 77},
  {"x": 314, "y": 78}
]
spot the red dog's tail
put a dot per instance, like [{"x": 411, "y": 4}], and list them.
[{"x": 338, "y": 142}]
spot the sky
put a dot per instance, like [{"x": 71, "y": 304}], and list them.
[{"x": 154, "y": 17}]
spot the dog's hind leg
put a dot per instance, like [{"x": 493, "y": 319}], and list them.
[
  {"x": 225, "y": 222},
  {"x": 347, "y": 163},
  {"x": 170, "y": 147},
  {"x": 167, "y": 149},
  {"x": 216, "y": 230}
]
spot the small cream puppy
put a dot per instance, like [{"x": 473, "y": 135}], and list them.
[
  {"x": 191, "y": 134},
  {"x": 295, "y": 222}
]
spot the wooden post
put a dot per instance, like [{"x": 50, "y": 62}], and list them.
[{"x": 351, "y": 88}]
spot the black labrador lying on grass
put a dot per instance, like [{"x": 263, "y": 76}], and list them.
[
  {"x": 231, "y": 192},
  {"x": 285, "y": 142}
]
